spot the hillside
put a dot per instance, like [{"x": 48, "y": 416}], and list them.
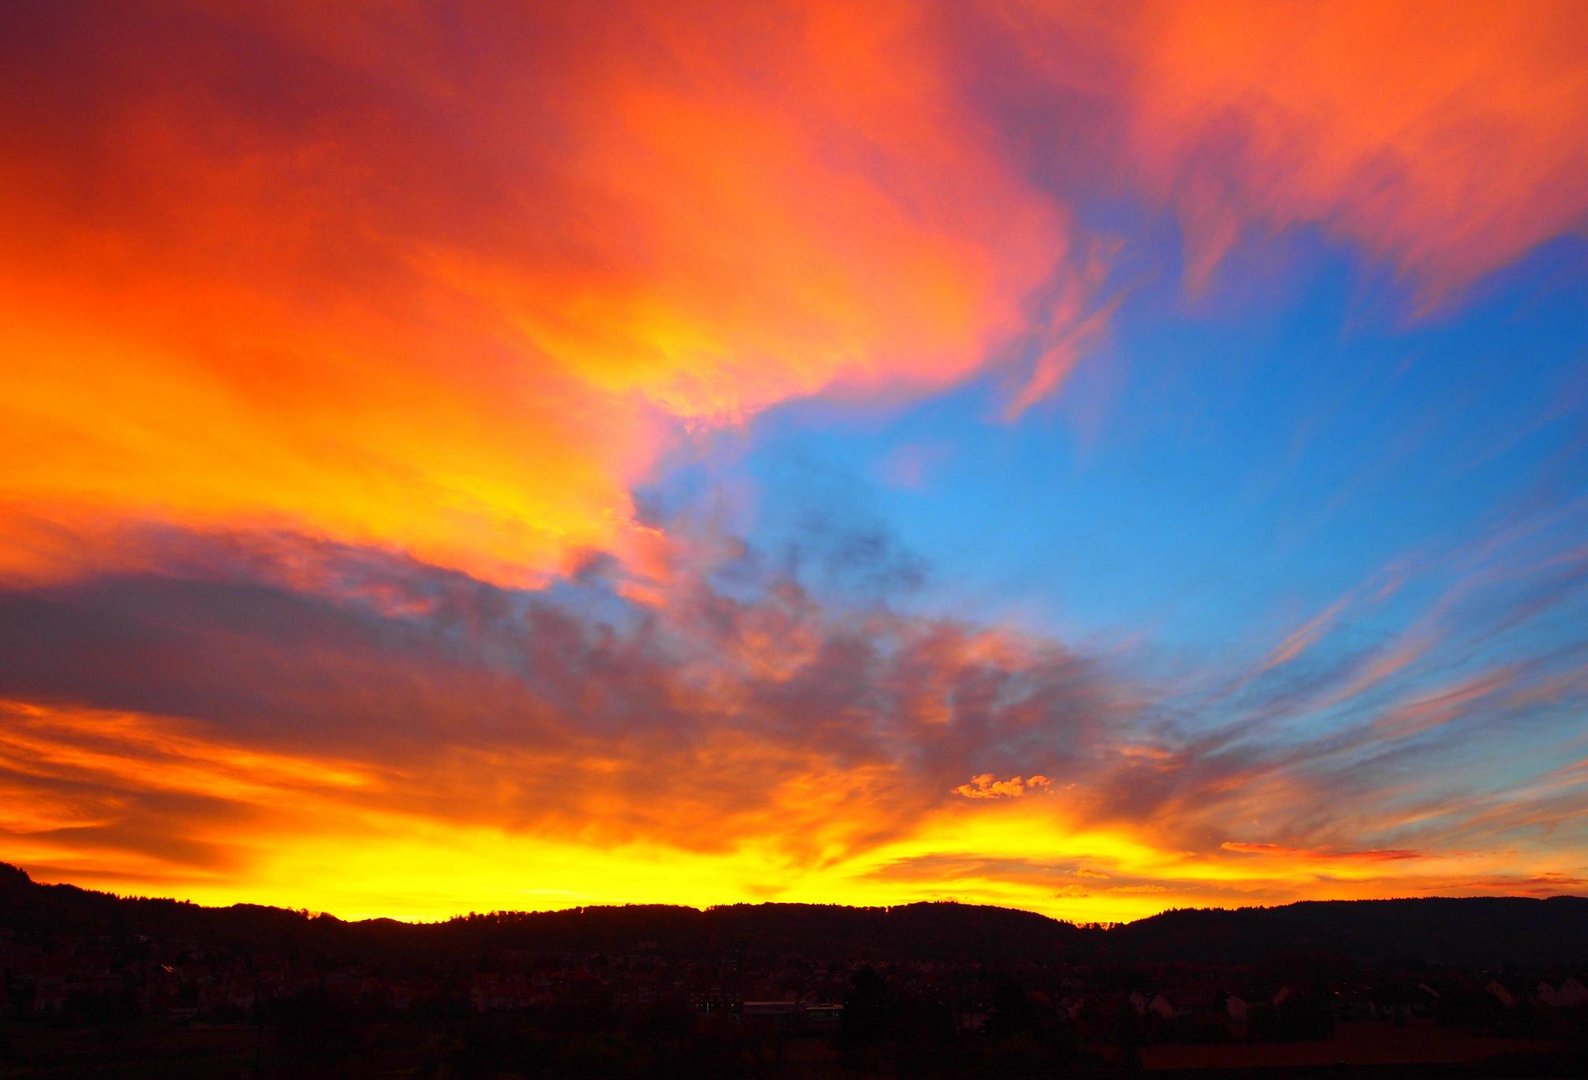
[
  {"x": 1483, "y": 932},
  {"x": 1470, "y": 932}
]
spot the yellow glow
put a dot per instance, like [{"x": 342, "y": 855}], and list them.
[{"x": 355, "y": 840}]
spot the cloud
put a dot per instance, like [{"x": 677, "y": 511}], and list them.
[
  {"x": 356, "y": 686},
  {"x": 1313, "y": 855},
  {"x": 237, "y": 716},
  {"x": 1305, "y": 636},
  {"x": 451, "y": 287},
  {"x": 1444, "y": 141},
  {"x": 987, "y": 786},
  {"x": 1443, "y": 144}
]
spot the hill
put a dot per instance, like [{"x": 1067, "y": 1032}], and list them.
[
  {"x": 1473, "y": 932},
  {"x": 1470, "y": 932}
]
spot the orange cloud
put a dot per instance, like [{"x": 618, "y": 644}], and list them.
[
  {"x": 1442, "y": 705},
  {"x": 988, "y": 786},
  {"x": 1319, "y": 855},
  {"x": 204, "y": 721},
  {"x": 309, "y": 269},
  {"x": 450, "y": 289},
  {"x": 1445, "y": 139},
  {"x": 247, "y": 720},
  {"x": 1305, "y": 636}
]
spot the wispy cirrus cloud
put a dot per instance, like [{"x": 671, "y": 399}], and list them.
[
  {"x": 310, "y": 695},
  {"x": 707, "y": 724}
]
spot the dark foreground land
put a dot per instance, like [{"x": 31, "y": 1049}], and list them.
[{"x": 100, "y": 986}]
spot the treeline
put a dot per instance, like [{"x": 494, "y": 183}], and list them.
[
  {"x": 1477, "y": 932},
  {"x": 1471, "y": 932}
]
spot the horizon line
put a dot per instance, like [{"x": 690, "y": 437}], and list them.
[{"x": 308, "y": 913}]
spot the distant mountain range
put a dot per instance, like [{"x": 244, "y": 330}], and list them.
[{"x": 1471, "y": 932}]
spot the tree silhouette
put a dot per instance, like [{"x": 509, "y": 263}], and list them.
[{"x": 866, "y": 1007}]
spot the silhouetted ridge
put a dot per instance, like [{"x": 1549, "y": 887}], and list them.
[
  {"x": 1480, "y": 931},
  {"x": 1484, "y": 931}
]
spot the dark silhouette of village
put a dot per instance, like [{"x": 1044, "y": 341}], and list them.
[{"x": 96, "y": 985}]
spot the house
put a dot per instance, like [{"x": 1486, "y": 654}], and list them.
[
  {"x": 49, "y": 994},
  {"x": 821, "y": 1016},
  {"x": 1570, "y": 994},
  {"x": 500, "y": 993},
  {"x": 782, "y": 1014},
  {"x": 1501, "y": 993}
]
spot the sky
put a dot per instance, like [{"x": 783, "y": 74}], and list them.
[{"x": 1090, "y": 458}]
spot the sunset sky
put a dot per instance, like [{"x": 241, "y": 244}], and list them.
[{"x": 1091, "y": 458}]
